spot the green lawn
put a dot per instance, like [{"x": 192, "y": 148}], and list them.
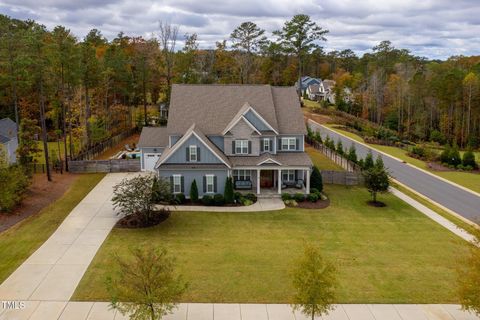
[
  {"x": 384, "y": 255},
  {"x": 466, "y": 179},
  {"x": 322, "y": 161},
  {"x": 20, "y": 241},
  {"x": 53, "y": 150}
]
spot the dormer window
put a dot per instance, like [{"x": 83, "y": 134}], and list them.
[{"x": 193, "y": 154}]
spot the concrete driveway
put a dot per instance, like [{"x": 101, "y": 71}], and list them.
[
  {"x": 53, "y": 272},
  {"x": 454, "y": 198}
]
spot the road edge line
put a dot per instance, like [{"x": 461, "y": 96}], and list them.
[{"x": 400, "y": 160}]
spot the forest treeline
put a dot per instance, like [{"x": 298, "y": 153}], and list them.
[{"x": 87, "y": 88}]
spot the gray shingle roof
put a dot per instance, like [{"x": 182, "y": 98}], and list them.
[
  {"x": 212, "y": 107},
  {"x": 153, "y": 137},
  {"x": 4, "y": 139},
  {"x": 8, "y": 128},
  {"x": 285, "y": 159}
]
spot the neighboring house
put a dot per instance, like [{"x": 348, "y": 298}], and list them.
[
  {"x": 315, "y": 92},
  {"x": 248, "y": 132},
  {"x": 305, "y": 82},
  {"x": 8, "y": 138}
]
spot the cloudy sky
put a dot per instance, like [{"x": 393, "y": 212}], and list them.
[{"x": 431, "y": 28}]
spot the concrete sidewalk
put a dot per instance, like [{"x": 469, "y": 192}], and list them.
[
  {"x": 262, "y": 204},
  {"x": 55, "y": 269},
  {"x": 50, "y": 310}
]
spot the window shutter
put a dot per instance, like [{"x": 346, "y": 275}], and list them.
[
  {"x": 198, "y": 154},
  {"x": 182, "y": 184},
  {"x": 204, "y": 184},
  {"x": 215, "y": 184},
  {"x": 249, "y": 146},
  {"x": 279, "y": 145},
  {"x": 261, "y": 145},
  {"x": 297, "y": 146},
  {"x": 171, "y": 184},
  {"x": 233, "y": 147},
  {"x": 271, "y": 145},
  {"x": 187, "y": 154}
]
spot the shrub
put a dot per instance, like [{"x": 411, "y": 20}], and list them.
[
  {"x": 437, "y": 136},
  {"x": 251, "y": 196},
  {"x": 318, "y": 137},
  {"x": 299, "y": 197},
  {"x": 315, "y": 190},
  {"x": 418, "y": 152},
  {"x": 207, "y": 200},
  {"x": 312, "y": 197},
  {"x": 286, "y": 196},
  {"x": 291, "y": 203},
  {"x": 161, "y": 190},
  {"x": 228, "y": 194},
  {"x": 368, "y": 162},
  {"x": 219, "y": 199},
  {"x": 180, "y": 198},
  {"x": 339, "y": 147},
  {"x": 14, "y": 182},
  {"x": 469, "y": 159},
  {"x": 194, "y": 191},
  {"x": 316, "y": 181},
  {"x": 236, "y": 196},
  {"x": 352, "y": 154},
  {"x": 246, "y": 202}
]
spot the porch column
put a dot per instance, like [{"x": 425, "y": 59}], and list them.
[
  {"x": 279, "y": 181},
  {"x": 258, "y": 181},
  {"x": 307, "y": 191}
]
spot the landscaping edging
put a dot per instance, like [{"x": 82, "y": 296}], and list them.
[{"x": 261, "y": 205}]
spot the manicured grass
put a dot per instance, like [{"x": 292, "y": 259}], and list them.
[
  {"x": 20, "y": 241},
  {"x": 466, "y": 179},
  {"x": 321, "y": 161},
  {"x": 383, "y": 255}
]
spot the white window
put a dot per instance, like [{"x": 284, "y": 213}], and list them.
[
  {"x": 177, "y": 183},
  {"x": 288, "y": 175},
  {"x": 266, "y": 144},
  {"x": 193, "y": 153},
  {"x": 210, "y": 184},
  {"x": 241, "y": 146},
  {"x": 289, "y": 144},
  {"x": 243, "y": 175}
]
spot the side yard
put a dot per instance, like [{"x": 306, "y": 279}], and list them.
[
  {"x": 384, "y": 255},
  {"x": 21, "y": 240}
]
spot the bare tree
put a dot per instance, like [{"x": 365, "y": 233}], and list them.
[{"x": 168, "y": 38}]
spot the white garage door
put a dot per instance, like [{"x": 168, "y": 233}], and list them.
[{"x": 150, "y": 160}]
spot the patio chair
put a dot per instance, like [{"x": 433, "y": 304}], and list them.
[{"x": 299, "y": 184}]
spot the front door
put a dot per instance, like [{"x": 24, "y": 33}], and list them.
[{"x": 266, "y": 178}]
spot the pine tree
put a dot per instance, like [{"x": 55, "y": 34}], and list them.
[
  {"x": 352, "y": 154},
  {"x": 368, "y": 162},
  {"x": 194, "y": 191},
  {"x": 228, "y": 194},
  {"x": 316, "y": 180},
  {"x": 339, "y": 147}
]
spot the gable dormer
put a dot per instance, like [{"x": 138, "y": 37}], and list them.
[{"x": 249, "y": 115}]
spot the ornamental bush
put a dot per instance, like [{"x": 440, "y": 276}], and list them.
[
  {"x": 312, "y": 197},
  {"x": 219, "y": 199},
  {"x": 299, "y": 197},
  {"x": 228, "y": 194},
  {"x": 316, "y": 181},
  {"x": 286, "y": 196},
  {"x": 469, "y": 159},
  {"x": 207, "y": 200},
  {"x": 194, "y": 191}
]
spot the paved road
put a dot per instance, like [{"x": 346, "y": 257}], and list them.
[
  {"x": 62, "y": 310},
  {"x": 454, "y": 198}
]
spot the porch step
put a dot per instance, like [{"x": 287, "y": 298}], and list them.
[{"x": 268, "y": 195}]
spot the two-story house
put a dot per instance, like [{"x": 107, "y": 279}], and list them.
[{"x": 253, "y": 133}]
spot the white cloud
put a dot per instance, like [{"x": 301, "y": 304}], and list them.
[{"x": 432, "y": 28}]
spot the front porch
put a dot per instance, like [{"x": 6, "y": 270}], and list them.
[{"x": 273, "y": 181}]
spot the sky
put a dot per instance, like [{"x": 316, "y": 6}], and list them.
[{"x": 435, "y": 29}]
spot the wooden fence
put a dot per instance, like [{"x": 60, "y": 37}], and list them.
[
  {"x": 334, "y": 156},
  {"x": 342, "y": 177},
  {"x": 103, "y": 146},
  {"x": 114, "y": 165}
]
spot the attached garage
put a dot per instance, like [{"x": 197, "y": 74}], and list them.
[{"x": 153, "y": 141}]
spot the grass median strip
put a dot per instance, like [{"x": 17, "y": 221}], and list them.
[{"x": 21, "y": 240}]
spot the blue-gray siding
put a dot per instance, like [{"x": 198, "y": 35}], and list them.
[
  {"x": 190, "y": 175},
  {"x": 218, "y": 141},
  {"x": 11, "y": 150},
  {"x": 257, "y": 122},
  {"x": 206, "y": 156}
]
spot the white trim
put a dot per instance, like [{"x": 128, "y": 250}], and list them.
[
  {"x": 241, "y": 147},
  {"x": 179, "y": 143},
  {"x": 269, "y": 160},
  {"x": 261, "y": 118},
  {"x": 206, "y": 183},
  {"x": 288, "y": 143},
  {"x": 235, "y": 123},
  {"x": 269, "y": 146},
  {"x": 179, "y": 176},
  {"x": 194, "y": 147},
  {"x": 287, "y": 172}
]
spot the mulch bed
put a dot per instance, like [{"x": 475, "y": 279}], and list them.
[
  {"x": 319, "y": 204},
  {"x": 377, "y": 204},
  {"x": 39, "y": 195},
  {"x": 137, "y": 221}
]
